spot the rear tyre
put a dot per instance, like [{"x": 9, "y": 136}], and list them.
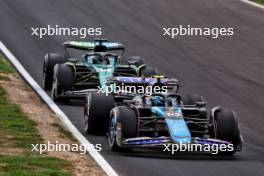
[
  {"x": 191, "y": 99},
  {"x": 149, "y": 71},
  {"x": 127, "y": 118},
  {"x": 50, "y": 60},
  {"x": 226, "y": 128},
  {"x": 136, "y": 60},
  {"x": 63, "y": 81},
  {"x": 97, "y": 113}
]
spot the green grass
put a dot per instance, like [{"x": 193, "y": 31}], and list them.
[
  {"x": 5, "y": 66},
  {"x": 19, "y": 131},
  {"x": 259, "y": 1},
  {"x": 32, "y": 166},
  {"x": 15, "y": 123}
]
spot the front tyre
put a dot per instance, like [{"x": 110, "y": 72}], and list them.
[
  {"x": 225, "y": 127},
  {"x": 63, "y": 81},
  {"x": 123, "y": 124}
]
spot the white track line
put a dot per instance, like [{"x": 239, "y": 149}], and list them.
[
  {"x": 94, "y": 154},
  {"x": 253, "y": 3}
]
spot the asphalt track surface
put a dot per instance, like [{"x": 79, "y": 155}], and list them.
[{"x": 228, "y": 71}]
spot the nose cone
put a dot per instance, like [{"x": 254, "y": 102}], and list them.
[
  {"x": 182, "y": 140},
  {"x": 179, "y": 131}
]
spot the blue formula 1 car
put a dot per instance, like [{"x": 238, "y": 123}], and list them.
[
  {"x": 161, "y": 119},
  {"x": 98, "y": 105},
  {"x": 87, "y": 65}
]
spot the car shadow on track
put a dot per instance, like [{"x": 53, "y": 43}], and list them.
[
  {"x": 72, "y": 103},
  {"x": 158, "y": 154}
]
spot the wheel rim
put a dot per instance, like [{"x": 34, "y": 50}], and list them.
[
  {"x": 86, "y": 116},
  {"x": 44, "y": 72},
  {"x": 44, "y": 77},
  {"x": 53, "y": 89},
  {"x": 86, "y": 122},
  {"x": 112, "y": 131}
]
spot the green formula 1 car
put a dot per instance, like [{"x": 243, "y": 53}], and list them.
[{"x": 87, "y": 65}]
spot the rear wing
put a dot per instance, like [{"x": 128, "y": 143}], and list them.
[
  {"x": 151, "y": 81},
  {"x": 97, "y": 45}
]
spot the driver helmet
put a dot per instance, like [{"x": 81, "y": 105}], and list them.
[
  {"x": 157, "y": 101},
  {"x": 97, "y": 59},
  {"x": 172, "y": 101}
]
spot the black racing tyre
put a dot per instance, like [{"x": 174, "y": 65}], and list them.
[
  {"x": 50, "y": 60},
  {"x": 63, "y": 80},
  {"x": 97, "y": 112},
  {"x": 191, "y": 99},
  {"x": 149, "y": 71},
  {"x": 226, "y": 128},
  {"x": 129, "y": 126},
  {"x": 136, "y": 60}
]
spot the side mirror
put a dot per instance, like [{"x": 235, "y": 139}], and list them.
[
  {"x": 200, "y": 104},
  {"x": 129, "y": 102},
  {"x": 72, "y": 60}
]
